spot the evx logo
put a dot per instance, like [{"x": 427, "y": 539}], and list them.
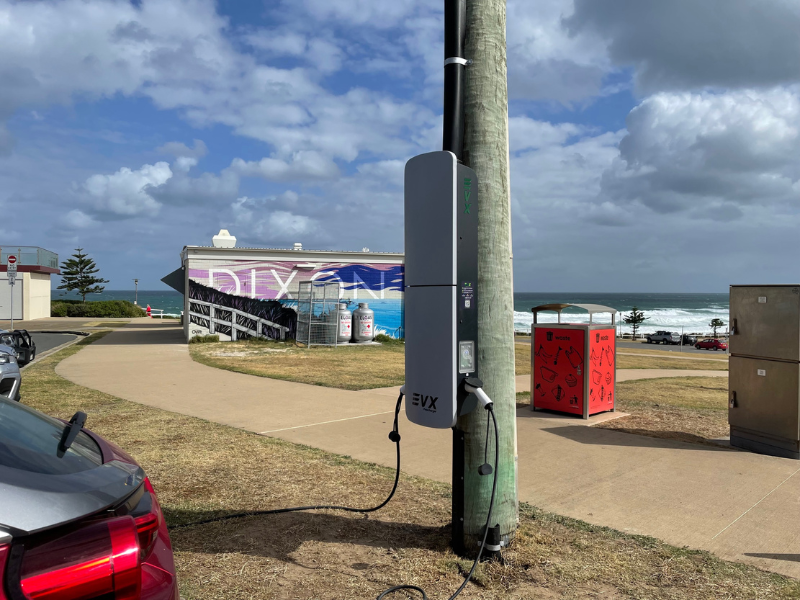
[{"x": 428, "y": 403}]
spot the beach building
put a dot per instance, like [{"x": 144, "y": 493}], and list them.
[
  {"x": 32, "y": 288},
  {"x": 236, "y": 275}
]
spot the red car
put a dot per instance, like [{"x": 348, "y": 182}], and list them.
[
  {"x": 709, "y": 344},
  {"x": 79, "y": 519}
]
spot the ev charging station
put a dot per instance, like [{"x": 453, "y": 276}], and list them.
[
  {"x": 441, "y": 313},
  {"x": 441, "y": 301}
]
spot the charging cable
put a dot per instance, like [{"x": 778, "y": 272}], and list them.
[
  {"x": 472, "y": 386},
  {"x": 394, "y": 436}
]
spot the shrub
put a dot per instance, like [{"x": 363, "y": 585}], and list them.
[
  {"x": 105, "y": 308},
  {"x": 387, "y": 339},
  {"x": 204, "y": 339}
]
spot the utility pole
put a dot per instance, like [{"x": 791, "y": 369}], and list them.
[{"x": 486, "y": 151}]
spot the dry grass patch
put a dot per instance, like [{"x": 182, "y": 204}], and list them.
[
  {"x": 349, "y": 368},
  {"x": 692, "y": 409},
  {"x": 202, "y": 469}
]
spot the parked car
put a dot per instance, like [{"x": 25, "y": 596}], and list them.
[
  {"x": 79, "y": 519},
  {"x": 22, "y": 342},
  {"x": 664, "y": 337},
  {"x": 10, "y": 377},
  {"x": 711, "y": 344},
  {"x": 689, "y": 340}
]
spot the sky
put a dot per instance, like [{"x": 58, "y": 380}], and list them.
[{"x": 655, "y": 146}]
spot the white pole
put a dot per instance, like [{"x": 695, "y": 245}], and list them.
[{"x": 11, "y": 282}]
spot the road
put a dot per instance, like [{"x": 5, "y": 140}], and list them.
[
  {"x": 666, "y": 348},
  {"x": 48, "y": 341}
]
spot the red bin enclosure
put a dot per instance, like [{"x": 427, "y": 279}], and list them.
[{"x": 573, "y": 365}]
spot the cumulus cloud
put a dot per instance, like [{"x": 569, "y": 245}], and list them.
[
  {"x": 179, "y": 149},
  {"x": 685, "y": 151},
  {"x": 688, "y": 44},
  {"x": 205, "y": 189},
  {"x": 272, "y": 221},
  {"x": 526, "y": 133},
  {"x": 302, "y": 166},
  {"x": 547, "y": 62},
  {"x": 127, "y": 192},
  {"x": 77, "y": 219}
]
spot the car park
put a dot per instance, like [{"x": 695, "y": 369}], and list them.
[
  {"x": 711, "y": 344},
  {"x": 22, "y": 342},
  {"x": 79, "y": 519}
]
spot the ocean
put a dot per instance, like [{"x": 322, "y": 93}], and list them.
[{"x": 692, "y": 312}]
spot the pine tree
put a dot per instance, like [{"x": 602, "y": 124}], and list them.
[
  {"x": 77, "y": 274},
  {"x": 715, "y": 324},
  {"x": 634, "y": 319}
]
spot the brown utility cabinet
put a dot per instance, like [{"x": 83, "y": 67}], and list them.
[{"x": 764, "y": 371}]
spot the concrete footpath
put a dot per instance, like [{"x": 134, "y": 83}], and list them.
[{"x": 739, "y": 505}]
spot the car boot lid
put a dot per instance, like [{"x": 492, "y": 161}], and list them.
[{"x": 30, "y": 502}]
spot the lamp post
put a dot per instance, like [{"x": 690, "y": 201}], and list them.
[{"x": 136, "y": 293}]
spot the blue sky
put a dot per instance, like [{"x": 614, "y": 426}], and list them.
[{"x": 654, "y": 145}]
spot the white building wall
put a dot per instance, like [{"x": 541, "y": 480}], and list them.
[
  {"x": 5, "y": 297},
  {"x": 36, "y": 296}
]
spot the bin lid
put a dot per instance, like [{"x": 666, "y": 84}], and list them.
[{"x": 590, "y": 308}]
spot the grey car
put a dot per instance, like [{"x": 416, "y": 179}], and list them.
[{"x": 10, "y": 377}]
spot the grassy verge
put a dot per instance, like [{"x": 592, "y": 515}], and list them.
[
  {"x": 350, "y": 368},
  {"x": 692, "y": 409},
  {"x": 651, "y": 361},
  {"x": 202, "y": 469}
]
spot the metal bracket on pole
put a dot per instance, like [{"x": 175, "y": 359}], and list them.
[{"x": 457, "y": 60}]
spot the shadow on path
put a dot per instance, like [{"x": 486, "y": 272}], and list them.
[{"x": 616, "y": 437}]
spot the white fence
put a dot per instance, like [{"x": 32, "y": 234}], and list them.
[{"x": 213, "y": 320}]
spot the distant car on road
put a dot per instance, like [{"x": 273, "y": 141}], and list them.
[
  {"x": 711, "y": 344},
  {"x": 79, "y": 518},
  {"x": 664, "y": 337},
  {"x": 22, "y": 342}
]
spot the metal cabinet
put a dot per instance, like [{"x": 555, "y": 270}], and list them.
[{"x": 764, "y": 372}]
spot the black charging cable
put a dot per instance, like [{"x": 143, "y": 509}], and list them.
[
  {"x": 415, "y": 588},
  {"x": 394, "y": 436}
]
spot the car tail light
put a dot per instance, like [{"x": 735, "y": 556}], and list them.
[
  {"x": 147, "y": 525},
  {"x": 3, "y": 559},
  {"x": 99, "y": 560}
]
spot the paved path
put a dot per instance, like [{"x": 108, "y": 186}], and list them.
[{"x": 741, "y": 506}]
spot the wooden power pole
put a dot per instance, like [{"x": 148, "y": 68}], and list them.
[{"x": 486, "y": 151}]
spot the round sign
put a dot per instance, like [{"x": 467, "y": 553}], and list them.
[{"x": 12, "y": 259}]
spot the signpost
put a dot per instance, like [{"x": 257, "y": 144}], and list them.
[{"x": 12, "y": 277}]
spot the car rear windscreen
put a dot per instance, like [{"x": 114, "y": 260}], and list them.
[{"x": 29, "y": 441}]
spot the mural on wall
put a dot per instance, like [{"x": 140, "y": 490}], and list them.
[
  {"x": 378, "y": 284},
  {"x": 270, "y": 310}
]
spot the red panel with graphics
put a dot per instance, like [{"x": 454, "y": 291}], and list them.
[
  {"x": 602, "y": 360},
  {"x": 558, "y": 369}
]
